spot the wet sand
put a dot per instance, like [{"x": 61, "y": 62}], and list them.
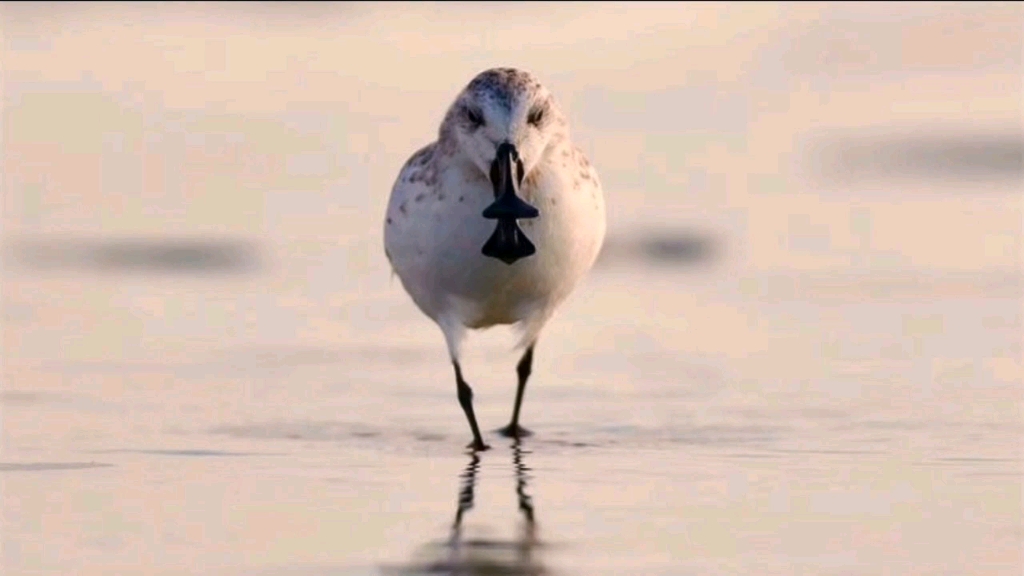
[{"x": 800, "y": 352}]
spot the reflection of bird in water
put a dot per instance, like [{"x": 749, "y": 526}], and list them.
[
  {"x": 480, "y": 557},
  {"x": 466, "y": 492}
]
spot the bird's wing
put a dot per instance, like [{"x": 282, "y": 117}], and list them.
[{"x": 405, "y": 222}]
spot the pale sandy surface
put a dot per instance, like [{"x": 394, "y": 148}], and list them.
[{"x": 800, "y": 355}]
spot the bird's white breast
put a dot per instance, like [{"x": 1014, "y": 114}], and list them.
[{"x": 435, "y": 231}]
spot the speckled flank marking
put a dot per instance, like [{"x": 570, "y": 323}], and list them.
[
  {"x": 420, "y": 167},
  {"x": 422, "y": 157},
  {"x": 425, "y": 174},
  {"x": 585, "y": 171},
  {"x": 530, "y": 182}
]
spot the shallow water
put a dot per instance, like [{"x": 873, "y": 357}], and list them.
[
  {"x": 800, "y": 352},
  {"x": 824, "y": 430}
]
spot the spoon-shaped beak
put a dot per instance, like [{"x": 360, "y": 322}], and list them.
[
  {"x": 507, "y": 177},
  {"x": 508, "y": 243}
]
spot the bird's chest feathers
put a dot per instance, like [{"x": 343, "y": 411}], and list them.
[{"x": 468, "y": 185}]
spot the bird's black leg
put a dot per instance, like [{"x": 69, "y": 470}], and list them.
[
  {"x": 466, "y": 401},
  {"x": 514, "y": 430}
]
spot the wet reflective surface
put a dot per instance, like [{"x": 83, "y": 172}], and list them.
[{"x": 521, "y": 555}]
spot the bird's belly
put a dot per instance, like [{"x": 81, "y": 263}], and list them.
[
  {"x": 436, "y": 250},
  {"x": 493, "y": 296}
]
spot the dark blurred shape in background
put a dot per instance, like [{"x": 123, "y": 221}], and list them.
[
  {"x": 925, "y": 154},
  {"x": 662, "y": 247},
  {"x": 138, "y": 255}
]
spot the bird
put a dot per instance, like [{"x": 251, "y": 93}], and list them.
[{"x": 496, "y": 221}]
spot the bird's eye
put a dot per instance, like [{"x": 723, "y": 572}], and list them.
[
  {"x": 475, "y": 117},
  {"x": 536, "y": 116}
]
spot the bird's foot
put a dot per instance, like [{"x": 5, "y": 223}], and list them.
[
  {"x": 514, "y": 431},
  {"x": 478, "y": 446}
]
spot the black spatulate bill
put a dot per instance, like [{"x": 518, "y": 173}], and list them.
[{"x": 508, "y": 243}]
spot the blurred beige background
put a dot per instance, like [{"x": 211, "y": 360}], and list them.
[{"x": 814, "y": 222}]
